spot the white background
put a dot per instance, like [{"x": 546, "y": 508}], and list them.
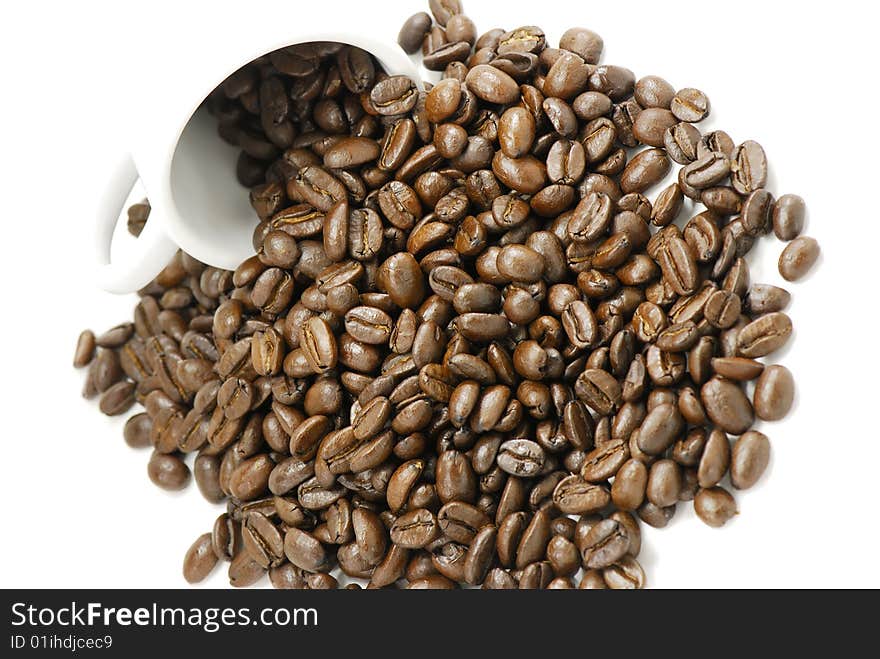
[{"x": 78, "y": 509}]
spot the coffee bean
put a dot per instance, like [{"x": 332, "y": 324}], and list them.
[
  {"x": 625, "y": 574},
  {"x": 599, "y": 390},
  {"x": 526, "y": 175},
  {"x": 690, "y": 105},
  {"x": 353, "y": 151},
  {"x": 200, "y": 560},
  {"x": 727, "y": 405},
  {"x": 737, "y": 368},
  {"x": 651, "y": 125},
  {"x": 774, "y": 393},
  {"x": 659, "y": 429},
  {"x": 521, "y": 457},
  {"x": 137, "y": 430},
  {"x": 630, "y": 483},
  {"x": 491, "y": 84},
  {"x": 304, "y": 551},
  {"x": 369, "y": 324},
  {"x": 401, "y": 277},
  {"x": 262, "y": 540},
  {"x": 749, "y": 168},
  {"x": 788, "y": 217},
  {"x": 604, "y": 461},
  {"x": 764, "y": 335},
  {"x": 318, "y": 345},
  {"x": 715, "y": 506},
  {"x": 413, "y": 31},
  {"x": 606, "y": 543},
  {"x": 798, "y": 258},
  {"x": 584, "y": 42},
  {"x": 680, "y": 142},
  {"x": 654, "y": 92},
  {"x": 644, "y": 170},
  {"x": 749, "y": 459},
  {"x": 168, "y": 471},
  {"x": 567, "y": 77},
  {"x": 414, "y": 529}
]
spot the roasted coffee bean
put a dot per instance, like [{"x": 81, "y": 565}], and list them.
[
  {"x": 774, "y": 393},
  {"x": 262, "y": 540},
  {"x": 200, "y": 560},
  {"x": 599, "y": 390},
  {"x": 798, "y": 258},
  {"x": 391, "y": 96},
  {"x": 748, "y": 168},
  {"x": 105, "y": 370},
  {"x": 681, "y": 141},
  {"x": 715, "y": 506},
  {"x": 492, "y": 85},
  {"x": 659, "y": 429},
  {"x": 137, "y": 430},
  {"x": 138, "y": 214},
  {"x": 737, "y": 368},
  {"x": 749, "y": 458},
  {"x": 574, "y": 495},
  {"x": 369, "y": 324},
  {"x": 526, "y": 175},
  {"x": 690, "y": 105},
  {"x": 413, "y": 31},
  {"x": 605, "y": 544},
  {"x": 414, "y": 529},
  {"x": 764, "y": 335},
  {"x": 603, "y": 461},
  {"x": 630, "y": 483},
  {"x": 625, "y": 574},
  {"x": 516, "y": 132},
  {"x": 318, "y": 345},
  {"x": 651, "y": 125},
  {"x": 644, "y": 170},
  {"x": 304, "y": 551},
  {"x": 118, "y": 398},
  {"x": 85, "y": 349},
  {"x": 764, "y": 298},
  {"x": 789, "y": 213},
  {"x": 727, "y": 405},
  {"x": 521, "y": 457},
  {"x": 715, "y": 459},
  {"x": 654, "y": 92},
  {"x": 168, "y": 471},
  {"x": 655, "y": 516}
]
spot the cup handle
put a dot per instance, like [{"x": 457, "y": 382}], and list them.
[{"x": 153, "y": 247}]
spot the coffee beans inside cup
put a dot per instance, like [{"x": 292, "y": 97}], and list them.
[{"x": 479, "y": 343}]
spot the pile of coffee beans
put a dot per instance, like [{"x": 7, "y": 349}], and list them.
[{"x": 469, "y": 348}]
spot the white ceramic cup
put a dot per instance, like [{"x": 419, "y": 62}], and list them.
[{"x": 187, "y": 171}]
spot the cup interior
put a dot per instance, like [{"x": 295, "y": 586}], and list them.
[
  {"x": 215, "y": 221},
  {"x": 213, "y": 207}
]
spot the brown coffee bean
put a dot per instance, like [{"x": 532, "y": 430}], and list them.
[
  {"x": 491, "y": 84},
  {"x": 798, "y": 258},
  {"x": 200, "y": 560},
  {"x": 764, "y": 335},
  {"x": 727, "y": 405},
  {"x": 715, "y": 506},
  {"x": 774, "y": 393},
  {"x": 788, "y": 217},
  {"x": 690, "y": 105},
  {"x": 749, "y": 459}
]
